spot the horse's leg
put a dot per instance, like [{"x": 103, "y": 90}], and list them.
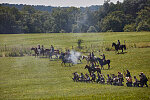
[
  {"x": 108, "y": 66},
  {"x": 101, "y": 66},
  {"x": 56, "y": 56},
  {"x": 99, "y": 71}
]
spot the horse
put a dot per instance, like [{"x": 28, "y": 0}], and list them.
[
  {"x": 65, "y": 59},
  {"x": 121, "y": 47},
  {"x": 102, "y": 63},
  {"x": 96, "y": 69},
  {"x": 56, "y": 53},
  {"x": 35, "y": 51},
  {"x": 92, "y": 60}
]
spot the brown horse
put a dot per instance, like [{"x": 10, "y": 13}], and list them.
[
  {"x": 96, "y": 69},
  {"x": 35, "y": 51}
]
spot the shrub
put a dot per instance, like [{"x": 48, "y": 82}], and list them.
[
  {"x": 130, "y": 28},
  {"x": 143, "y": 26}
]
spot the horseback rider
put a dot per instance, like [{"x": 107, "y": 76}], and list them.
[
  {"x": 92, "y": 65},
  {"x": 39, "y": 48},
  {"x": 92, "y": 55},
  {"x": 52, "y": 48},
  {"x": 42, "y": 49},
  {"x": 103, "y": 57},
  {"x": 118, "y": 43}
]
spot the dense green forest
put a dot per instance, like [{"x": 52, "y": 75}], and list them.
[{"x": 129, "y": 15}]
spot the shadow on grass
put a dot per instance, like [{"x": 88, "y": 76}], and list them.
[{"x": 121, "y": 52}]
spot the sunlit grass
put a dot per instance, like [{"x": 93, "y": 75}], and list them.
[{"x": 28, "y": 77}]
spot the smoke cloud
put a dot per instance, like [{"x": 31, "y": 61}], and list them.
[{"x": 74, "y": 56}]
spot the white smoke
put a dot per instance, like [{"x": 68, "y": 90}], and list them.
[{"x": 74, "y": 56}]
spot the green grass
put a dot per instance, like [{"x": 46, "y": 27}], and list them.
[{"x": 28, "y": 77}]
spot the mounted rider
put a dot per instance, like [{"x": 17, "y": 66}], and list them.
[
  {"x": 52, "y": 49},
  {"x": 42, "y": 50},
  {"x": 103, "y": 57},
  {"x": 39, "y": 48},
  {"x": 92, "y": 65},
  {"x": 118, "y": 43}
]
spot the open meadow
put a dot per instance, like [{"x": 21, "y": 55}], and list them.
[{"x": 27, "y": 77}]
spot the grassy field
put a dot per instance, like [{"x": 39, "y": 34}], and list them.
[{"x": 28, "y": 77}]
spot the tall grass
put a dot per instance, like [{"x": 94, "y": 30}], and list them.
[{"x": 9, "y": 51}]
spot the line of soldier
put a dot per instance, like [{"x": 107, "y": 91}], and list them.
[{"x": 113, "y": 79}]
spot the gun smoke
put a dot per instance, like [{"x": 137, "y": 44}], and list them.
[{"x": 74, "y": 56}]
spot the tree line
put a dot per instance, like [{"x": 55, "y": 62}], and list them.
[{"x": 129, "y": 16}]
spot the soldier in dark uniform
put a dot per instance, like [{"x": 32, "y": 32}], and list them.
[
  {"x": 103, "y": 57},
  {"x": 143, "y": 79},
  {"x": 118, "y": 43}
]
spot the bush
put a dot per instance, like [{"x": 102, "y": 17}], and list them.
[
  {"x": 129, "y": 28},
  {"x": 14, "y": 54},
  {"x": 143, "y": 26}
]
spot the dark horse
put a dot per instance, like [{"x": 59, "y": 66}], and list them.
[
  {"x": 65, "y": 59},
  {"x": 121, "y": 47},
  {"x": 35, "y": 51},
  {"x": 102, "y": 63},
  {"x": 98, "y": 70},
  {"x": 92, "y": 60}
]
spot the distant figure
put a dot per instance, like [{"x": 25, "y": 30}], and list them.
[
  {"x": 120, "y": 78},
  {"x": 87, "y": 78},
  {"x": 92, "y": 65},
  {"x": 93, "y": 77},
  {"x": 42, "y": 50},
  {"x": 136, "y": 82},
  {"x": 109, "y": 79},
  {"x": 82, "y": 78},
  {"x": 129, "y": 81},
  {"x": 103, "y": 57},
  {"x": 39, "y": 49},
  {"x": 99, "y": 78},
  {"x": 143, "y": 79},
  {"x": 118, "y": 43},
  {"x": 102, "y": 79},
  {"x": 52, "y": 48},
  {"x": 92, "y": 55},
  {"x": 115, "y": 81},
  {"x": 76, "y": 76},
  {"x": 128, "y": 74}
]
